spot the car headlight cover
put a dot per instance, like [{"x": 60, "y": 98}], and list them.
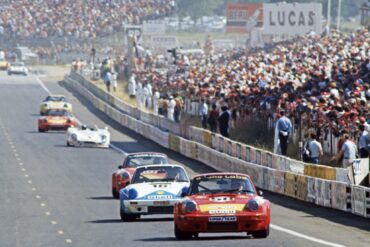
[
  {"x": 189, "y": 206},
  {"x": 132, "y": 194},
  {"x": 74, "y": 137},
  {"x": 252, "y": 205},
  {"x": 125, "y": 176}
]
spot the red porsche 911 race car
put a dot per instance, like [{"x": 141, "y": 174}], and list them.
[
  {"x": 122, "y": 177},
  {"x": 222, "y": 202},
  {"x": 56, "y": 119}
]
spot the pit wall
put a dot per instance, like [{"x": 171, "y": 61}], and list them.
[{"x": 321, "y": 185}]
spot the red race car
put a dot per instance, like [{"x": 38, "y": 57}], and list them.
[
  {"x": 56, "y": 119},
  {"x": 122, "y": 177},
  {"x": 222, "y": 202}
]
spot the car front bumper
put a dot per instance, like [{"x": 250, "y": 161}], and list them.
[
  {"x": 149, "y": 207},
  {"x": 242, "y": 223}
]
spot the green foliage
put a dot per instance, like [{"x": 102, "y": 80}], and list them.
[{"x": 197, "y": 8}]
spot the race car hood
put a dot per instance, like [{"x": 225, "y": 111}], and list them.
[
  {"x": 89, "y": 136},
  {"x": 56, "y": 105},
  {"x": 155, "y": 191},
  {"x": 223, "y": 203}
]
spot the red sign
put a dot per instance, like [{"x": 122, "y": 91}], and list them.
[{"x": 241, "y": 17}]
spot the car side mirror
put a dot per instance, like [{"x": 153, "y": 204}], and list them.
[
  {"x": 183, "y": 194},
  {"x": 120, "y": 167},
  {"x": 260, "y": 193}
]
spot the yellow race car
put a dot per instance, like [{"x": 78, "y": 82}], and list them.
[
  {"x": 4, "y": 64},
  {"x": 53, "y": 102}
]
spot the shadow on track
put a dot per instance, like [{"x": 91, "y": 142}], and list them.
[
  {"x": 101, "y": 198},
  {"x": 107, "y": 221},
  {"x": 206, "y": 238}
]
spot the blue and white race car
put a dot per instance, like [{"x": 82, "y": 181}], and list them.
[{"x": 154, "y": 189}]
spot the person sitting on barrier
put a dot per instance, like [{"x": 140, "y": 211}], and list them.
[{"x": 315, "y": 149}]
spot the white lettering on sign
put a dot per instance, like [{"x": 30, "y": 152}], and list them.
[{"x": 292, "y": 19}]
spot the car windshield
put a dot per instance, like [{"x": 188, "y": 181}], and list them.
[
  {"x": 218, "y": 184},
  {"x": 57, "y": 113},
  {"x": 56, "y": 98},
  {"x": 136, "y": 160},
  {"x": 160, "y": 174},
  {"x": 17, "y": 64},
  {"x": 86, "y": 127}
]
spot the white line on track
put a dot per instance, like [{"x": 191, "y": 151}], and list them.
[
  {"x": 117, "y": 149},
  {"x": 300, "y": 235},
  {"x": 43, "y": 85}
]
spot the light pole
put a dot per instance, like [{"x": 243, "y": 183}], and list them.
[
  {"x": 328, "y": 17},
  {"x": 339, "y": 11}
]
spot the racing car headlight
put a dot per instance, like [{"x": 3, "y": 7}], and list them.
[
  {"x": 74, "y": 137},
  {"x": 45, "y": 105},
  {"x": 132, "y": 194},
  {"x": 252, "y": 205},
  {"x": 125, "y": 176},
  {"x": 189, "y": 206},
  {"x": 65, "y": 105}
]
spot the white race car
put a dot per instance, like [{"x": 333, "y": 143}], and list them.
[
  {"x": 88, "y": 136},
  {"x": 17, "y": 68},
  {"x": 154, "y": 189}
]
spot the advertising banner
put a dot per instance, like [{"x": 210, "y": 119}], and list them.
[
  {"x": 292, "y": 18},
  {"x": 241, "y": 17}
]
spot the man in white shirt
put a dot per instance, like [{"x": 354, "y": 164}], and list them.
[
  {"x": 203, "y": 112},
  {"x": 363, "y": 142},
  {"x": 315, "y": 149},
  {"x": 348, "y": 151}
]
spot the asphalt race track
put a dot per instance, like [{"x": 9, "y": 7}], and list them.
[{"x": 51, "y": 195}]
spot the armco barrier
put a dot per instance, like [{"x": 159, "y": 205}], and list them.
[
  {"x": 207, "y": 137},
  {"x": 341, "y": 196},
  {"x": 319, "y": 171},
  {"x": 359, "y": 203},
  {"x": 355, "y": 199}
]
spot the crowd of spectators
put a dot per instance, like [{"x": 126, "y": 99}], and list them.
[
  {"x": 42, "y": 19},
  {"x": 321, "y": 81}
]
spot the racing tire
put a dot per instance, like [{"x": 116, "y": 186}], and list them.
[
  {"x": 68, "y": 144},
  {"x": 127, "y": 217},
  {"x": 41, "y": 130},
  {"x": 115, "y": 193},
  {"x": 262, "y": 233},
  {"x": 181, "y": 235}
]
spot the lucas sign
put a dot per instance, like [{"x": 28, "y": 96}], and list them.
[{"x": 292, "y": 19}]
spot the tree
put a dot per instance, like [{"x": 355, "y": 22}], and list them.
[{"x": 197, "y": 8}]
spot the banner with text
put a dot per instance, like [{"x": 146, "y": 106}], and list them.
[
  {"x": 292, "y": 19},
  {"x": 242, "y": 17}
]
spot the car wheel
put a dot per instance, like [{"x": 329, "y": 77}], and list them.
[
  {"x": 127, "y": 217},
  {"x": 115, "y": 193},
  {"x": 181, "y": 235},
  {"x": 41, "y": 130},
  {"x": 68, "y": 144},
  {"x": 262, "y": 233}
]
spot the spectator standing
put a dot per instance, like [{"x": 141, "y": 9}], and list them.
[
  {"x": 363, "y": 142},
  {"x": 348, "y": 151},
  {"x": 156, "y": 98},
  {"x": 213, "y": 117},
  {"x": 224, "y": 121},
  {"x": 108, "y": 80},
  {"x": 178, "y": 108},
  {"x": 284, "y": 128},
  {"x": 132, "y": 86},
  {"x": 171, "y": 108},
  {"x": 203, "y": 111},
  {"x": 315, "y": 149},
  {"x": 114, "y": 81}
]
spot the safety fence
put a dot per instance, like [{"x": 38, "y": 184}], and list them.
[
  {"x": 324, "y": 186},
  {"x": 217, "y": 141}
]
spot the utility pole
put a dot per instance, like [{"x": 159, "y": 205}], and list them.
[
  {"x": 339, "y": 13},
  {"x": 328, "y": 17}
]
